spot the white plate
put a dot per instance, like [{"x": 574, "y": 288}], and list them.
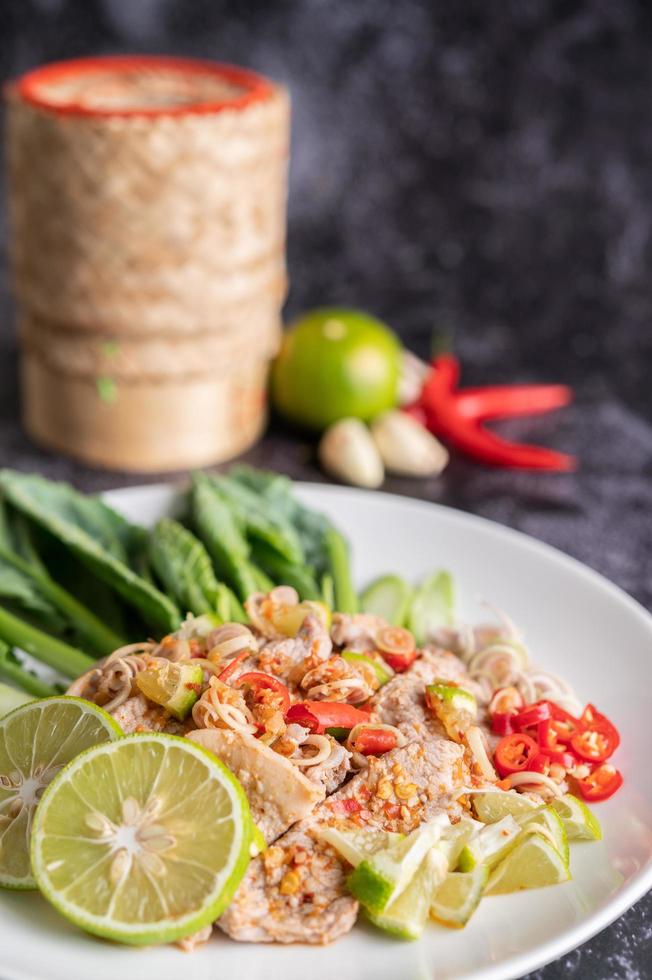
[{"x": 576, "y": 623}]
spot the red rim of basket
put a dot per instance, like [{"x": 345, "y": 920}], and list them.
[{"x": 256, "y": 88}]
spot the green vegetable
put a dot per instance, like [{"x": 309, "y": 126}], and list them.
[
  {"x": 263, "y": 582},
  {"x": 183, "y": 565},
  {"x": 382, "y": 671},
  {"x": 10, "y": 698},
  {"x": 261, "y": 521},
  {"x": 337, "y": 550},
  {"x": 64, "y": 658},
  {"x": 13, "y": 671},
  {"x": 284, "y": 572},
  {"x": 98, "y": 535},
  {"x": 432, "y": 607},
  {"x": 328, "y": 590},
  {"x": 222, "y": 536},
  {"x": 388, "y": 597}
]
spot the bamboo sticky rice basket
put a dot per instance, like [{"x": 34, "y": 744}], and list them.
[{"x": 147, "y": 205}]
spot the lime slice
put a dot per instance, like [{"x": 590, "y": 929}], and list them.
[
  {"x": 454, "y": 839},
  {"x": 493, "y": 805},
  {"x": 547, "y": 822},
  {"x": 36, "y": 741},
  {"x": 357, "y": 845},
  {"x": 143, "y": 840},
  {"x": 379, "y": 880},
  {"x": 388, "y": 597},
  {"x": 533, "y": 863},
  {"x": 175, "y": 687},
  {"x": 458, "y": 896},
  {"x": 490, "y": 845},
  {"x": 578, "y": 820},
  {"x": 258, "y": 842},
  {"x": 383, "y": 671},
  {"x": 406, "y": 915}
]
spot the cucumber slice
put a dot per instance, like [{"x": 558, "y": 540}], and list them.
[
  {"x": 432, "y": 607},
  {"x": 388, "y": 597}
]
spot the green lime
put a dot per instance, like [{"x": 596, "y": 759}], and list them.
[
  {"x": 490, "y": 845},
  {"x": 578, "y": 820},
  {"x": 175, "y": 687},
  {"x": 36, "y": 741},
  {"x": 458, "y": 896},
  {"x": 533, "y": 863},
  {"x": 334, "y": 364},
  {"x": 546, "y": 821},
  {"x": 494, "y": 804},
  {"x": 357, "y": 845},
  {"x": 407, "y": 914},
  {"x": 143, "y": 840}
]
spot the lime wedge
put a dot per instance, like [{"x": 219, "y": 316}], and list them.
[
  {"x": 379, "y": 880},
  {"x": 490, "y": 845},
  {"x": 495, "y": 804},
  {"x": 455, "y": 838},
  {"x": 547, "y": 821},
  {"x": 458, "y": 896},
  {"x": 533, "y": 863},
  {"x": 175, "y": 687},
  {"x": 406, "y": 915},
  {"x": 357, "y": 845},
  {"x": 143, "y": 840},
  {"x": 578, "y": 820},
  {"x": 36, "y": 741}
]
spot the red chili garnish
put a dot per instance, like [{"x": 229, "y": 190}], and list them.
[
  {"x": 327, "y": 714},
  {"x": 563, "y": 724},
  {"x": 232, "y": 666},
  {"x": 594, "y": 745},
  {"x": 392, "y": 810},
  {"x": 596, "y": 721},
  {"x": 259, "y": 682},
  {"x": 374, "y": 741},
  {"x": 457, "y": 416},
  {"x": 562, "y": 758},
  {"x": 346, "y": 806},
  {"x": 540, "y": 763},
  {"x": 502, "y": 722},
  {"x": 602, "y": 783},
  {"x": 299, "y": 714},
  {"x": 514, "y": 753},
  {"x": 532, "y": 715}
]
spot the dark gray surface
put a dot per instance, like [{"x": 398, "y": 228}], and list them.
[{"x": 476, "y": 167}]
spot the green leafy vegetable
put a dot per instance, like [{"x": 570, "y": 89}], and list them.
[
  {"x": 261, "y": 520},
  {"x": 64, "y": 658},
  {"x": 221, "y": 533},
  {"x": 13, "y": 671},
  {"x": 346, "y": 599},
  {"x": 98, "y": 535},
  {"x": 389, "y": 597},
  {"x": 285, "y": 572},
  {"x": 184, "y": 567},
  {"x": 433, "y": 606}
]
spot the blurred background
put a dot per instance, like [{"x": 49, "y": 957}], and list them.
[{"x": 474, "y": 168}]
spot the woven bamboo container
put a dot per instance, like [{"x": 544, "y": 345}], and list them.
[{"x": 147, "y": 206}]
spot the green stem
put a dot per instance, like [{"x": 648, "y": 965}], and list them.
[
  {"x": 64, "y": 658},
  {"x": 98, "y": 636},
  {"x": 346, "y": 599},
  {"x": 16, "y": 674}
]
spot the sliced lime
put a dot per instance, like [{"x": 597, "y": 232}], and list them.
[
  {"x": 380, "y": 879},
  {"x": 458, "y": 896},
  {"x": 357, "y": 845},
  {"x": 490, "y": 845},
  {"x": 36, "y": 741},
  {"x": 579, "y": 821},
  {"x": 383, "y": 671},
  {"x": 493, "y": 805},
  {"x": 388, "y": 597},
  {"x": 406, "y": 915},
  {"x": 454, "y": 839},
  {"x": 432, "y": 607},
  {"x": 175, "y": 687},
  {"x": 547, "y": 822},
  {"x": 533, "y": 863},
  {"x": 143, "y": 840}
]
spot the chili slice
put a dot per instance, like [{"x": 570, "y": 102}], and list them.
[
  {"x": 258, "y": 681},
  {"x": 502, "y": 722},
  {"x": 532, "y": 715},
  {"x": 397, "y": 647},
  {"x": 374, "y": 741},
  {"x": 514, "y": 753},
  {"x": 602, "y": 783},
  {"x": 233, "y": 665},
  {"x": 596, "y": 721},
  {"x": 594, "y": 745},
  {"x": 326, "y": 714}
]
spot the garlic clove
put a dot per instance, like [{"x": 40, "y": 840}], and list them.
[
  {"x": 406, "y": 447},
  {"x": 348, "y": 452}
]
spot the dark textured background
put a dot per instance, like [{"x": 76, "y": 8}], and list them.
[{"x": 483, "y": 168}]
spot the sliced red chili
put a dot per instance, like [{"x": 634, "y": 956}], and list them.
[
  {"x": 540, "y": 763},
  {"x": 562, "y": 758},
  {"x": 532, "y": 715},
  {"x": 374, "y": 741},
  {"x": 258, "y": 682},
  {"x": 595, "y": 720},
  {"x": 397, "y": 647},
  {"x": 327, "y": 714},
  {"x": 399, "y": 662},
  {"x": 232, "y": 666},
  {"x": 563, "y": 724},
  {"x": 594, "y": 745},
  {"x": 514, "y": 753},
  {"x": 602, "y": 783},
  {"x": 299, "y": 714},
  {"x": 346, "y": 806},
  {"x": 502, "y": 722}
]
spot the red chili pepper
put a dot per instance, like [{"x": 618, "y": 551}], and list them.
[
  {"x": 502, "y": 722},
  {"x": 320, "y": 715},
  {"x": 594, "y": 744},
  {"x": 602, "y": 783},
  {"x": 514, "y": 753},
  {"x": 562, "y": 758},
  {"x": 532, "y": 715},
  {"x": 540, "y": 763},
  {"x": 399, "y": 662},
  {"x": 392, "y": 810},
  {"x": 562, "y": 724},
  {"x": 259, "y": 682},
  {"x": 233, "y": 665},
  {"x": 374, "y": 741},
  {"x": 596, "y": 721},
  {"x": 345, "y": 806},
  {"x": 457, "y": 417}
]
